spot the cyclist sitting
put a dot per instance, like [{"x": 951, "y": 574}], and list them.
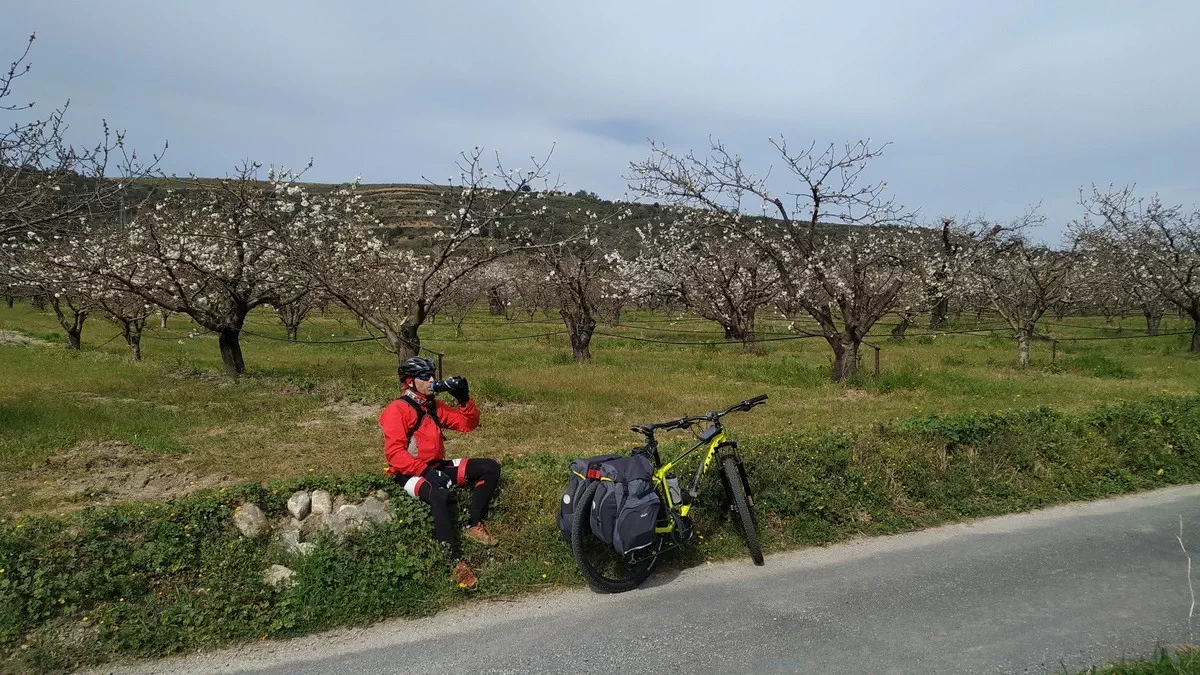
[{"x": 413, "y": 441}]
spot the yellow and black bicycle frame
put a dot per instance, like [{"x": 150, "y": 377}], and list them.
[{"x": 714, "y": 441}]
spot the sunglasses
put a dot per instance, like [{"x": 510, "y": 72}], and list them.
[{"x": 425, "y": 376}]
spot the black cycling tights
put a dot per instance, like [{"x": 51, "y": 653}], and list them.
[{"x": 481, "y": 475}]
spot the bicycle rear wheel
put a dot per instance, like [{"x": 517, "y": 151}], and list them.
[
  {"x": 603, "y": 567},
  {"x": 741, "y": 505}
]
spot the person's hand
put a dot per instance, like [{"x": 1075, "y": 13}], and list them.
[{"x": 458, "y": 388}]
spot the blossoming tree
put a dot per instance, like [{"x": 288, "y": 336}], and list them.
[
  {"x": 1158, "y": 245},
  {"x": 842, "y": 248},
  {"x": 47, "y": 183},
  {"x": 712, "y": 270},
  {"x": 212, "y": 251},
  {"x": 396, "y": 286},
  {"x": 1021, "y": 280}
]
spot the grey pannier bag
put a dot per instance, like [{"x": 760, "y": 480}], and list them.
[
  {"x": 625, "y": 507},
  {"x": 576, "y": 483}
]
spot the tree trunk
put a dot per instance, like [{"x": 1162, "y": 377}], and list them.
[
  {"x": 580, "y": 330},
  {"x": 1195, "y": 334},
  {"x": 162, "y": 318},
  {"x": 495, "y": 303},
  {"x": 937, "y": 316},
  {"x": 74, "y": 327},
  {"x": 292, "y": 331},
  {"x": 899, "y": 330},
  {"x": 750, "y": 342},
  {"x": 581, "y": 340},
  {"x": 38, "y": 302},
  {"x": 1153, "y": 318},
  {"x": 1023, "y": 347},
  {"x": 8, "y": 299},
  {"x": 409, "y": 343},
  {"x": 845, "y": 357},
  {"x": 133, "y": 338},
  {"x": 229, "y": 340}
]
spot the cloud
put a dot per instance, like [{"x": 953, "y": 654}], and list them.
[
  {"x": 626, "y": 130},
  {"x": 989, "y": 106}
]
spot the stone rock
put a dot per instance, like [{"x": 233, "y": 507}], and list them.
[
  {"x": 374, "y": 511},
  {"x": 277, "y": 575},
  {"x": 322, "y": 503},
  {"x": 338, "y": 502},
  {"x": 345, "y": 520},
  {"x": 314, "y": 523},
  {"x": 290, "y": 539},
  {"x": 250, "y": 520},
  {"x": 300, "y": 505},
  {"x": 381, "y": 495}
]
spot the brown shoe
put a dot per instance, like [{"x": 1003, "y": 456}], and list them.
[
  {"x": 479, "y": 534},
  {"x": 463, "y": 576}
]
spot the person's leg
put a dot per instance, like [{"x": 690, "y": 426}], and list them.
[
  {"x": 482, "y": 475},
  {"x": 437, "y": 498}
]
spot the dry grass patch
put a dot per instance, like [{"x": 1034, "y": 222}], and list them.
[
  {"x": 17, "y": 338},
  {"x": 95, "y": 473}
]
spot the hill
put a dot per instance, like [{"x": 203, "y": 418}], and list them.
[{"x": 402, "y": 208}]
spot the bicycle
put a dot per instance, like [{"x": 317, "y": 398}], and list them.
[{"x": 612, "y": 573}]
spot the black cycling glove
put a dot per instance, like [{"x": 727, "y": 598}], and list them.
[{"x": 458, "y": 388}]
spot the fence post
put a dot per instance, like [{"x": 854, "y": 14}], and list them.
[{"x": 876, "y": 348}]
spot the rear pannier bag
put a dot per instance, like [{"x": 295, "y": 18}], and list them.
[
  {"x": 575, "y": 486},
  {"x": 624, "y": 507},
  {"x": 634, "y": 528}
]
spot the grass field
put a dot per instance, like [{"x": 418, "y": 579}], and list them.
[
  {"x": 949, "y": 430},
  {"x": 311, "y": 408}
]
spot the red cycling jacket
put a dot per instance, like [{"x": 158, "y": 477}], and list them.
[{"x": 410, "y": 456}]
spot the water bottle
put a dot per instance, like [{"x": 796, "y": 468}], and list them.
[{"x": 673, "y": 488}]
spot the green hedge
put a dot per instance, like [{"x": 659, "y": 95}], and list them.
[{"x": 152, "y": 579}]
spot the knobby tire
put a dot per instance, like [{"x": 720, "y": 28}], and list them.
[
  {"x": 737, "y": 494},
  {"x": 584, "y": 546}
]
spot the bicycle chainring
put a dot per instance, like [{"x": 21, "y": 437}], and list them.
[{"x": 684, "y": 530}]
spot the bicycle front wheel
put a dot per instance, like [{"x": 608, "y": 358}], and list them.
[
  {"x": 603, "y": 567},
  {"x": 741, "y": 505}
]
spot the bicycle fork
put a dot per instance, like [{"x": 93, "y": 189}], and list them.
[{"x": 730, "y": 449}]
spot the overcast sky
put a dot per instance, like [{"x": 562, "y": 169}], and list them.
[{"x": 989, "y": 107}]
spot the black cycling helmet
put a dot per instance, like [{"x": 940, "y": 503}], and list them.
[{"x": 416, "y": 365}]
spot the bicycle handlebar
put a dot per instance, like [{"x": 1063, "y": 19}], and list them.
[{"x": 685, "y": 422}]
